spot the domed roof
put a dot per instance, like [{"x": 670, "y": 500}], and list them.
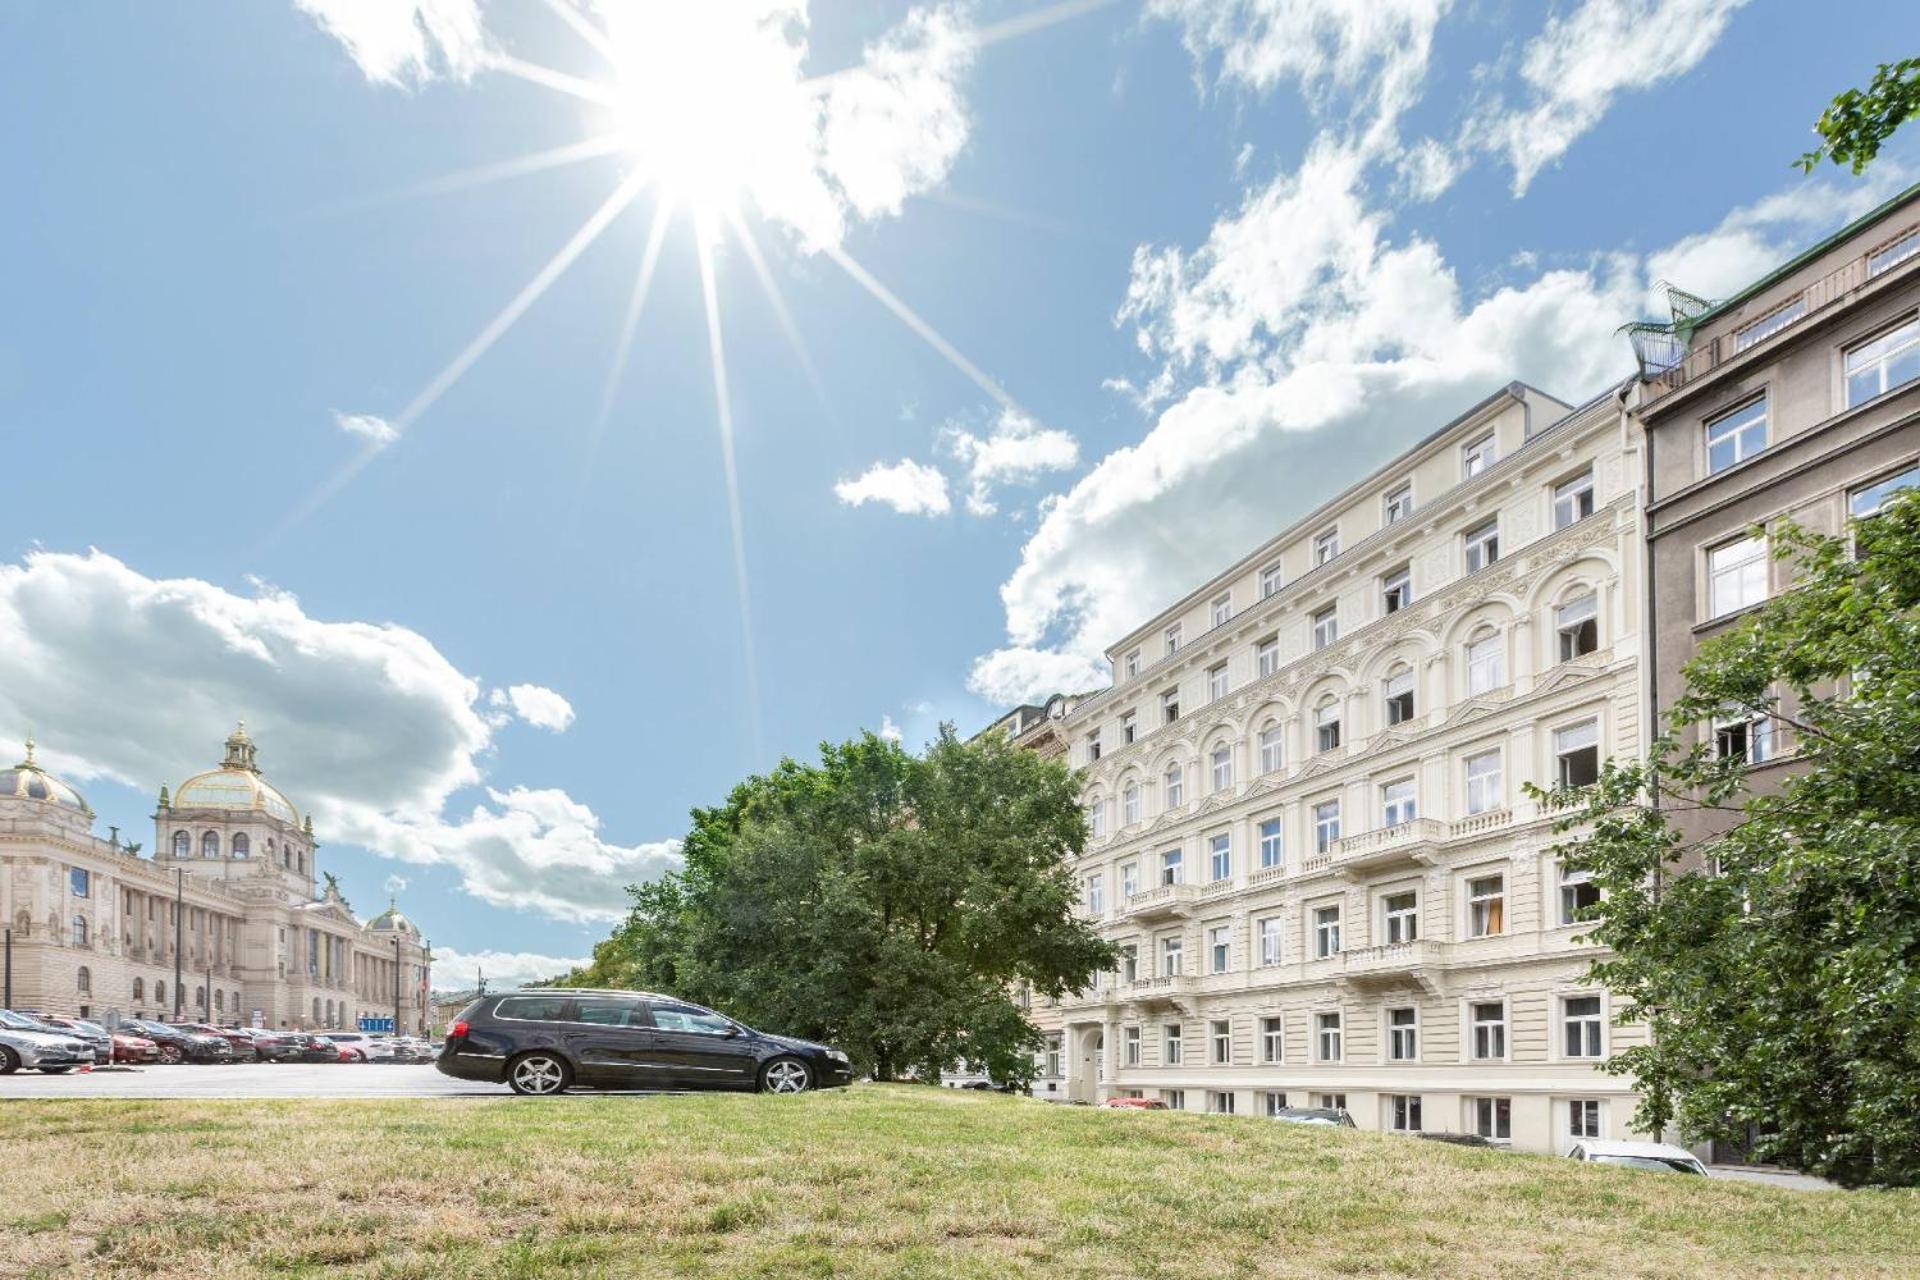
[
  {"x": 236, "y": 785},
  {"x": 28, "y": 781},
  {"x": 390, "y": 920}
]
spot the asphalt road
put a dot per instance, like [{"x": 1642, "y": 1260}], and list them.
[{"x": 251, "y": 1080}]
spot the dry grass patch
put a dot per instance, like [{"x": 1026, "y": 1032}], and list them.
[{"x": 866, "y": 1184}]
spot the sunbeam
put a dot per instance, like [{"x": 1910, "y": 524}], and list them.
[
  {"x": 605, "y": 144},
  {"x": 593, "y": 35},
  {"x": 547, "y": 77},
  {"x": 723, "y": 404},
  {"x": 778, "y": 302},
  {"x": 1047, "y": 16},
  {"x": 629, "y": 323}
]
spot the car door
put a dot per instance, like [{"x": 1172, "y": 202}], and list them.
[
  {"x": 611, "y": 1042},
  {"x": 701, "y": 1049}
]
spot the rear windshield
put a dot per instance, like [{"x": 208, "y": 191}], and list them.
[{"x": 532, "y": 1008}]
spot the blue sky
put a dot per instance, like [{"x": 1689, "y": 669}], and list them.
[{"x": 1176, "y": 270}]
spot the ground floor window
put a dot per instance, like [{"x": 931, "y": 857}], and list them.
[
  {"x": 1330, "y": 1101},
  {"x": 1053, "y": 1056},
  {"x": 1272, "y": 1102},
  {"x": 1406, "y": 1113},
  {"x": 1176, "y": 1099},
  {"x": 1492, "y": 1117},
  {"x": 1220, "y": 1102},
  {"x": 1583, "y": 1118}
]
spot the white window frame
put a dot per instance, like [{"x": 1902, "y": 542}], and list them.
[
  {"x": 1758, "y": 736},
  {"x": 1403, "y": 1113},
  {"x": 1398, "y": 503},
  {"x": 1491, "y": 1117},
  {"x": 1576, "y": 626},
  {"x": 1221, "y": 611},
  {"x": 1326, "y": 825},
  {"x": 1900, "y": 339},
  {"x": 1272, "y": 746},
  {"x": 1173, "y": 956},
  {"x": 1216, "y": 682},
  {"x": 1399, "y": 802},
  {"x": 1174, "y": 785},
  {"x": 1573, "y": 499},
  {"x": 1132, "y": 664},
  {"x": 1173, "y": 866},
  {"x": 1171, "y": 636},
  {"x": 1170, "y": 706},
  {"x": 1219, "y": 948},
  {"x": 1270, "y": 580},
  {"x": 1397, "y": 696},
  {"x": 1273, "y": 1039},
  {"x": 1400, "y": 924},
  {"x": 1569, "y": 741},
  {"x": 1326, "y": 546},
  {"x": 1096, "y": 893},
  {"x": 1403, "y": 1038},
  {"x": 1129, "y": 879},
  {"x": 1487, "y": 1036},
  {"x": 1130, "y": 804},
  {"x": 1220, "y": 767},
  {"x": 1738, "y": 575},
  {"x": 1486, "y": 663},
  {"x": 1268, "y": 930},
  {"x": 1266, "y": 656},
  {"x": 1482, "y": 545},
  {"x": 1487, "y": 905},
  {"x": 1326, "y": 726},
  {"x": 1485, "y": 774},
  {"x": 1736, "y": 427},
  {"x": 1329, "y": 1036},
  {"x": 1130, "y": 1046},
  {"x": 1220, "y": 1102},
  {"x": 1129, "y": 728},
  {"x": 1396, "y": 589},
  {"x": 1220, "y": 1041},
  {"x": 1583, "y": 1036},
  {"x": 1865, "y": 501},
  {"x": 1272, "y": 843},
  {"x": 1219, "y": 857},
  {"x": 1172, "y": 1047},
  {"x": 1477, "y": 455},
  {"x": 1326, "y": 627},
  {"x": 1571, "y": 883},
  {"x": 1326, "y": 931},
  {"x": 1586, "y": 1118}
]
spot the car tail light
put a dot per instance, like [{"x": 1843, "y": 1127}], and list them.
[{"x": 458, "y": 1030}]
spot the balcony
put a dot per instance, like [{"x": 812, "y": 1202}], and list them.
[
  {"x": 1260, "y": 876},
  {"x": 1395, "y": 964},
  {"x": 1162, "y": 902},
  {"x": 1408, "y": 842},
  {"x": 1480, "y": 824},
  {"x": 1169, "y": 989}
]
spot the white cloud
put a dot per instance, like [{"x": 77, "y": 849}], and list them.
[
  {"x": 1016, "y": 451},
  {"x": 376, "y": 431},
  {"x": 1581, "y": 61},
  {"x": 401, "y": 42},
  {"x": 889, "y": 730},
  {"x": 367, "y": 725},
  {"x": 539, "y": 707},
  {"x": 456, "y": 970},
  {"x": 907, "y": 486},
  {"x": 394, "y": 886},
  {"x": 1427, "y": 169}
]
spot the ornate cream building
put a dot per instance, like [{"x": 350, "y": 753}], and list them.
[
  {"x": 94, "y": 923},
  {"x": 1310, "y": 835}
]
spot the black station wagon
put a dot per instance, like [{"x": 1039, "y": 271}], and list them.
[{"x": 542, "y": 1042}]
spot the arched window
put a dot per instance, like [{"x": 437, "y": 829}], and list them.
[
  {"x": 159, "y": 992},
  {"x": 1272, "y": 756},
  {"x": 1176, "y": 786},
  {"x": 286, "y": 857},
  {"x": 1097, "y": 817},
  {"x": 83, "y": 981},
  {"x": 1130, "y": 804},
  {"x": 210, "y": 844},
  {"x": 199, "y": 997},
  {"x": 1326, "y": 725},
  {"x": 1221, "y": 765},
  {"x": 316, "y": 1008},
  {"x": 79, "y": 931},
  {"x": 241, "y": 846},
  {"x": 219, "y": 1002},
  {"x": 300, "y": 863},
  {"x": 1486, "y": 662},
  {"x": 1397, "y": 692},
  {"x": 269, "y": 849},
  {"x": 182, "y": 844},
  {"x": 139, "y": 988}
]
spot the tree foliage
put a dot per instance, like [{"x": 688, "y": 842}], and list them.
[
  {"x": 1856, "y": 123},
  {"x": 885, "y": 902},
  {"x": 1766, "y": 924}
]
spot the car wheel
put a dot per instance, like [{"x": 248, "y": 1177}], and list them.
[
  {"x": 172, "y": 1054},
  {"x": 55, "y": 1071},
  {"x": 786, "y": 1075},
  {"x": 539, "y": 1074},
  {"x": 9, "y": 1061}
]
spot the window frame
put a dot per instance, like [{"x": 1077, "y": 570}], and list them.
[
  {"x": 1217, "y": 687},
  {"x": 1478, "y": 456},
  {"x": 1397, "y": 503},
  {"x": 1271, "y": 842},
  {"x": 1576, "y": 493},
  {"x": 1589, "y": 1029},
  {"x": 1273, "y": 1038},
  {"x": 1738, "y": 572},
  {"x": 1736, "y": 425},
  {"x": 1482, "y": 542},
  {"x": 1219, "y": 857},
  {"x": 1910, "y": 324},
  {"x": 1326, "y": 627},
  {"x": 1403, "y": 1113},
  {"x": 1563, "y": 754},
  {"x": 1270, "y": 956},
  {"x": 1403, "y": 1038},
  {"x": 1399, "y": 801},
  {"x": 1220, "y": 766},
  {"x": 1576, "y": 626},
  {"x": 1396, "y": 589},
  {"x": 1327, "y": 931},
  {"x": 1326, "y": 825},
  {"x": 1329, "y": 1035},
  {"x": 1397, "y": 696},
  {"x": 1487, "y": 1037},
  {"x": 1172, "y": 1044},
  {"x": 1400, "y": 925},
  {"x": 1486, "y": 907},
  {"x": 1266, "y": 657},
  {"x": 1271, "y": 580},
  {"x": 1220, "y": 1042},
  {"x": 1493, "y": 781},
  {"x": 1220, "y": 611},
  {"x": 1326, "y": 546},
  {"x": 1271, "y": 743},
  {"x": 1170, "y": 637},
  {"x": 1326, "y": 725}
]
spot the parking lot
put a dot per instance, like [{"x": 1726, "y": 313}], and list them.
[{"x": 250, "y": 1080}]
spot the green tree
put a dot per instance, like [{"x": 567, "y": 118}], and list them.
[
  {"x": 1856, "y": 123},
  {"x": 888, "y": 903},
  {"x": 1767, "y": 927}
]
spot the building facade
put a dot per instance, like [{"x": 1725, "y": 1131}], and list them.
[
  {"x": 223, "y": 923},
  {"x": 1310, "y": 836}
]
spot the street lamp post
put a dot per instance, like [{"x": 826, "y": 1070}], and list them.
[
  {"x": 179, "y": 936},
  {"x": 7, "y": 1003},
  {"x": 396, "y": 983}
]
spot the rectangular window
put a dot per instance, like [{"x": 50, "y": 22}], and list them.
[
  {"x": 1272, "y": 1040},
  {"x": 1130, "y": 963},
  {"x": 1221, "y": 611},
  {"x": 1325, "y": 547},
  {"x": 1173, "y": 959},
  {"x": 1573, "y": 500},
  {"x": 1403, "y": 1035},
  {"x": 1330, "y": 1101},
  {"x": 1737, "y": 575},
  {"x": 1892, "y": 254},
  {"x": 1576, "y": 753},
  {"x": 1093, "y": 747},
  {"x": 1273, "y": 1102},
  {"x": 1170, "y": 706},
  {"x": 1492, "y": 1117},
  {"x": 1130, "y": 1046},
  {"x": 1865, "y": 502},
  {"x": 1219, "y": 858},
  {"x": 1219, "y": 951},
  {"x": 1399, "y": 504},
  {"x": 1171, "y": 1044},
  {"x": 1272, "y": 752},
  {"x": 1269, "y": 580},
  {"x": 1326, "y": 932},
  {"x": 1402, "y": 916},
  {"x": 1272, "y": 851},
  {"x": 1877, "y": 366},
  {"x": 1397, "y": 804},
  {"x": 1129, "y": 728},
  {"x": 1489, "y": 1022},
  {"x": 1579, "y": 896},
  {"x": 1746, "y": 738},
  {"x": 1406, "y": 1113},
  {"x": 1052, "y": 1068},
  {"x": 1221, "y": 767},
  {"x": 1326, "y": 826},
  {"x": 1171, "y": 871},
  {"x": 1486, "y": 906},
  {"x": 1396, "y": 589},
  {"x": 1266, "y": 656},
  {"x": 1172, "y": 636},
  {"x": 1328, "y": 1036},
  {"x": 1485, "y": 791},
  {"x": 1483, "y": 545},
  {"x": 1129, "y": 879},
  {"x": 1217, "y": 682},
  {"x": 1326, "y": 627},
  {"x": 1176, "y": 1099},
  {"x": 1577, "y": 626},
  {"x": 1581, "y": 1021},
  {"x": 1097, "y": 894},
  {"x": 1398, "y": 691},
  {"x": 1269, "y": 933},
  {"x": 1477, "y": 455},
  {"x": 1220, "y": 1102},
  {"x": 1326, "y": 727},
  {"x": 79, "y": 883},
  {"x": 1486, "y": 664},
  {"x": 1736, "y": 435},
  {"x": 1222, "y": 1038},
  {"x": 1097, "y": 819},
  {"x": 1175, "y": 787},
  {"x": 1583, "y": 1118},
  {"x": 1768, "y": 325}
]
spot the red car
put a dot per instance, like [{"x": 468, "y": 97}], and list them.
[
  {"x": 132, "y": 1048},
  {"x": 1135, "y": 1104}
]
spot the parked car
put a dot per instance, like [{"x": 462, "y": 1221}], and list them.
[
  {"x": 96, "y": 1036},
  {"x": 544, "y": 1042},
  {"x": 1458, "y": 1139},
  {"x": 292, "y": 1046},
  {"x": 177, "y": 1044},
  {"x": 358, "y": 1046},
  {"x": 238, "y": 1039},
  {"x": 1135, "y": 1104},
  {"x": 24, "y": 1042},
  {"x": 128, "y": 1047},
  {"x": 1652, "y": 1157},
  {"x": 1332, "y": 1116}
]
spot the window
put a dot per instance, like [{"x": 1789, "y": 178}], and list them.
[
  {"x": 1268, "y": 931},
  {"x": 1486, "y": 663},
  {"x": 1737, "y": 575},
  {"x": 79, "y": 931},
  {"x": 1576, "y": 752},
  {"x": 1486, "y": 906},
  {"x": 1129, "y": 804},
  {"x": 1219, "y": 950},
  {"x": 1266, "y": 656},
  {"x": 1170, "y": 868},
  {"x": 1173, "y": 638},
  {"x": 1399, "y": 503},
  {"x": 1222, "y": 610},
  {"x": 1577, "y": 624},
  {"x": 1217, "y": 682},
  {"x": 1402, "y": 916},
  {"x": 1477, "y": 455},
  {"x": 1583, "y": 1118},
  {"x": 1736, "y": 435},
  {"x": 1406, "y": 1113},
  {"x": 1330, "y": 1101},
  {"x": 1097, "y": 818},
  {"x": 1573, "y": 500},
  {"x": 1219, "y": 858},
  {"x": 1485, "y": 792},
  {"x": 182, "y": 844},
  {"x": 1272, "y": 1040},
  {"x": 1132, "y": 664},
  {"x": 210, "y": 844},
  {"x": 1172, "y": 957},
  {"x": 1220, "y": 1102},
  {"x": 1398, "y": 692},
  {"x": 1483, "y": 545},
  {"x": 1325, "y": 547},
  {"x": 1130, "y": 963},
  {"x": 1579, "y": 896},
  {"x": 1272, "y": 852},
  {"x": 1326, "y": 726},
  {"x": 1892, "y": 255},
  {"x": 1176, "y": 1099},
  {"x": 1222, "y": 1038},
  {"x": 1096, "y": 896},
  {"x": 79, "y": 883},
  {"x": 139, "y": 989},
  {"x": 1768, "y": 325},
  {"x": 1396, "y": 590},
  {"x": 1130, "y": 1046},
  {"x": 1879, "y": 365},
  {"x": 1272, "y": 754},
  {"x": 610, "y": 1012},
  {"x": 1129, "y": 879},
  {"x": 1328, "y": 1036},
  {"x": 1397, "y": 805},
  {"x": 1053, "y": 1057},
  {"x": 1175, "y": 786},
  {"x": 1489, "y": 1021},
  {"x": 1270, "y": 580},
  {"x": 1326, "y": 932},
  {"x": 1129, "y": 728},
  {"x": 1403, "y": 1035},
  {"x": 1492, "y": 1117},
  {"x": 1273, "y": 1102},
  {"x": 1862, "y": 503},
  {"x": 1172, "y": 1046},
  {"x": 1220, "y": 767},
  {"x": 1326, "y": 826},
  {"x": 1093, "y": 746},
  {"x": 1744, "y": 737},
  {"x": 1170, "y": 705},
  {"x": 1326, "y": 627},
  {"x": 1580, "y": 1016}
]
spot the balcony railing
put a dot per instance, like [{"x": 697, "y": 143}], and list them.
[
  {"x": 1388, "y": 844},
  {"x": 1161, "y": 900},
  {"x": 1392, "y": 960},
  {"x": 1479, "y": 824},
  {"x": 1163, "y": 987}
]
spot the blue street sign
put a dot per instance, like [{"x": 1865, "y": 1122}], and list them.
[{"x": 376, "y": 1024}]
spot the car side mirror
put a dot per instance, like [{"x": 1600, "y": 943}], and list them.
[{"x": 731, "y": 1032}]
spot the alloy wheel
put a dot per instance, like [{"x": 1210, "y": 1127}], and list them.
[
  {"x": 172, "y": 1055},
  {"x": 787, "y": 1076},
  {"x": 538, "y": 1074}
]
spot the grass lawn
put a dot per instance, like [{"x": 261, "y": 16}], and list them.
[{"x": 869, "y": 1182}]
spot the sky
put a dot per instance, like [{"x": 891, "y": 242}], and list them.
[{"x": 533, "y": 416}]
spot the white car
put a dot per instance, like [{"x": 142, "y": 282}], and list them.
[
  {"x": 360, "y": 1046},
  {"x": 1654, "y": 1157}
]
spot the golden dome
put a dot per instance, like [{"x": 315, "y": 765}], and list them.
[
  {"x": 236, "y": 785},
  {"x": 28, "y": 781}
]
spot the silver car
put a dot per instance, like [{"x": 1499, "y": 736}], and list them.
[{"x": 47, "y": 1051}]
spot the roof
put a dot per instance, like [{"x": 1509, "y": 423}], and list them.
[
  {"x": 236, "y": 785},
  {"x": 28, "y": 781},
  {"x": 1802, "y": 258}
]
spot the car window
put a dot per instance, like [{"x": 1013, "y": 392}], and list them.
[
  {"x": 680, "y": 1017},
  {"x": 533, "y": 1008},
  {"x": 610, "y": 1011}
]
